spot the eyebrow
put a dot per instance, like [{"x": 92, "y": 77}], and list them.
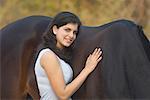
[{"x": 70, "y": 28}]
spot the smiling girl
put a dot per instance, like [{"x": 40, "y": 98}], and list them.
[{"x": 52, "y": 69}]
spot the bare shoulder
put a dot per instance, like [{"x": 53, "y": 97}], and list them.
[
  {"x": 48, "y": 57},
  {"x": 48, "y": 54}
]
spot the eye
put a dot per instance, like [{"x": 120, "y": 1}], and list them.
[
  {"x": 75, "y": 32},
  {"x": 67, "y": 30}
]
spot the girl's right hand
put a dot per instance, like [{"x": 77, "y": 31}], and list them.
[{"x": 93, "y": 60}]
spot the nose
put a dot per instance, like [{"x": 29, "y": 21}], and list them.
[{"x": 71, "y": 35}]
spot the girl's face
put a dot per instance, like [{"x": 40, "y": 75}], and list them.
[{"x": 65, "y": 35}]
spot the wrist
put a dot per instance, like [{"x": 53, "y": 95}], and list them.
[{"x": 86, "y": 70}]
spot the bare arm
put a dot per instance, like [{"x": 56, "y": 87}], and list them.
[{"x": 52, "y": 67}]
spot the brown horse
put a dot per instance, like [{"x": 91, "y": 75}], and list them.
[
  {"x": 19, "y": 41},
  {"x": 123, "y": 72}
]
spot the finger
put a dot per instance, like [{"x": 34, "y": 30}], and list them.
[
  {"x": 100, "y": 58},
  {"x": 98, "y": 51},
  {"x": 98, "y": 54},
  {"x": 94, "y": 52}
]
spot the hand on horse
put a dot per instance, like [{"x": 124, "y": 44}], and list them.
[{"x": 93, "y": 60}]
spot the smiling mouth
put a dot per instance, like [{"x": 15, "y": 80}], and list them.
[{"x": 69, "y": 40}]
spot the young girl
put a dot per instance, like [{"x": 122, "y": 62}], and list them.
[{"x": 52, "y": 69}]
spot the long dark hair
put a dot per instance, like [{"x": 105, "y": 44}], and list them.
[{"x": 49, "y": 39}]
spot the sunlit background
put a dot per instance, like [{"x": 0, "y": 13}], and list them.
[{"x": 91, "y": 12}]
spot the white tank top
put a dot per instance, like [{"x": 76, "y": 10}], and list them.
[{"x": 44, "y": 86}]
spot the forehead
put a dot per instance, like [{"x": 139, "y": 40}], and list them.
[{"x": 73, "y": 26}]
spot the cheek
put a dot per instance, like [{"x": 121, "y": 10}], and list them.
[
  {"x": 75, "y": 37},
  {"x": 61, "y": 34}
]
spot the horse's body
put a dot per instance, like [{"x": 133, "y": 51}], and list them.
[
  {"x": 19, "y": 41},
  {"x": 123, "y": 72}
]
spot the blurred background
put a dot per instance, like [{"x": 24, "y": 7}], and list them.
[{"x": 91, "y": 12}]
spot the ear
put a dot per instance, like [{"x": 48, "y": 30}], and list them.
[{"x": 55, "y": 29}]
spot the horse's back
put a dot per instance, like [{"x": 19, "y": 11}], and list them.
[{"x": 125, "y": 53}]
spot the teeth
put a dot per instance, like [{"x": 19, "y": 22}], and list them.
[{"x": 68, "y": 40}]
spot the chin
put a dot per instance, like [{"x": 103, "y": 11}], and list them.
[{"x": 67, "y": 45}]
